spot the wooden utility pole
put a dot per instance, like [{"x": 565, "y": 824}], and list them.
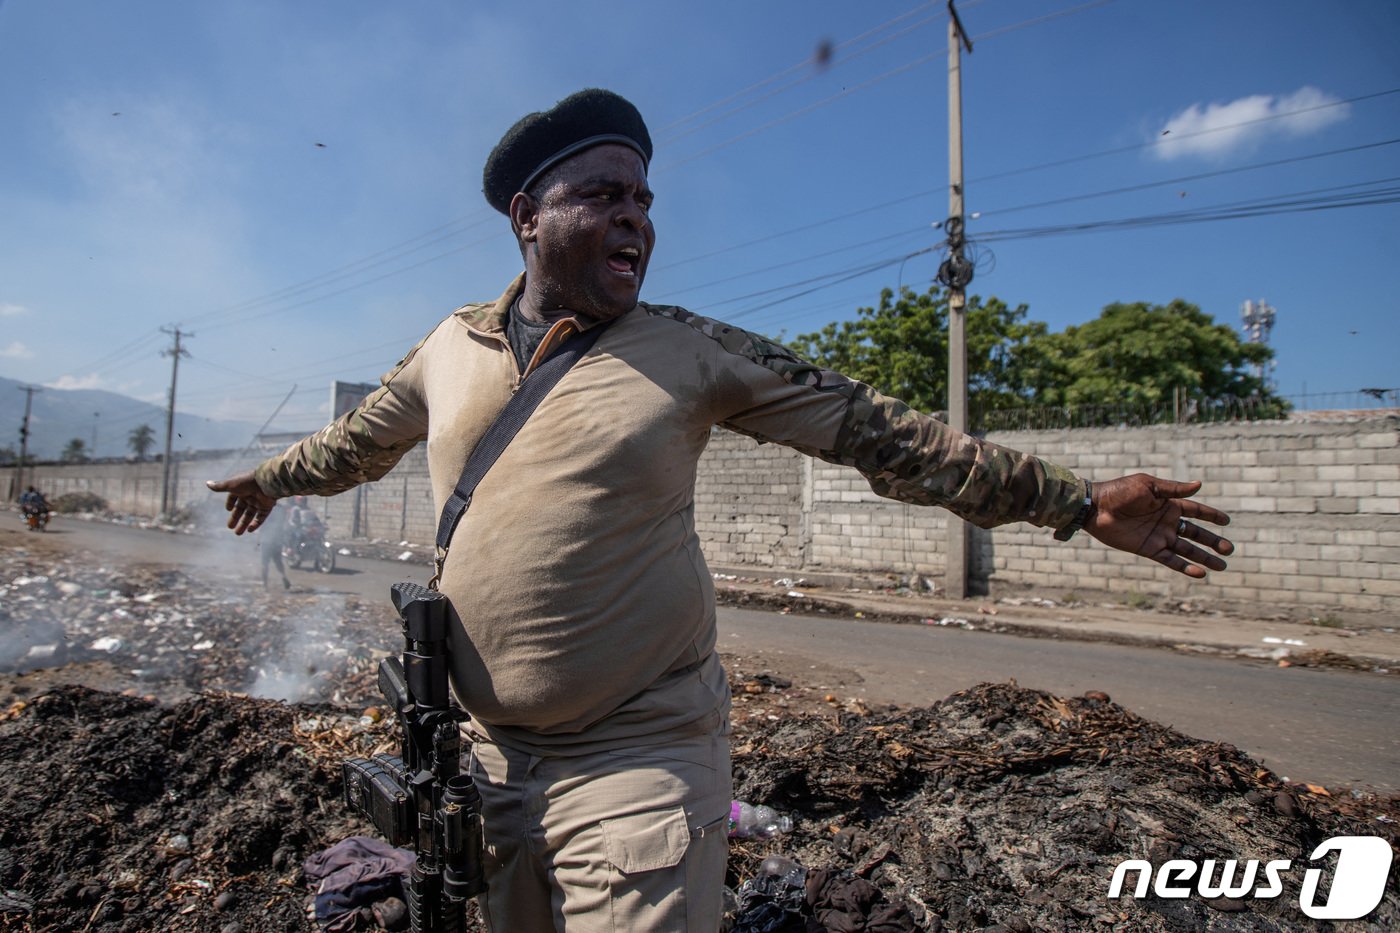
[
  {"x": 24, "y": 435},
  {"x": 954, "y": 274},
  {"x": 167, "y": 499}
]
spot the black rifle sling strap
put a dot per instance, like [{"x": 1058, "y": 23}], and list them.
[{"x": 509, "y": 422}]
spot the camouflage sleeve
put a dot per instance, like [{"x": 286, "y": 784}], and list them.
[
  {"x": 359, "y": 447},
  {"x": 904, "y": 454}
]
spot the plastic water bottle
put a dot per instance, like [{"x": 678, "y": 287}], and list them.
[{"x": 747, "y": 821}]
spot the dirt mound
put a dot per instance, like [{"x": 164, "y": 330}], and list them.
[{"x": 997, "y": 808}]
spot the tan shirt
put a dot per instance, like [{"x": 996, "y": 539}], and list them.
[{"x": 586, "y": 611}]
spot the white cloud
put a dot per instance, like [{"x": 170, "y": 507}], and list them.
[
  {"x": 90, "y": 381},
  {"x": 1216, "y": 130},
  {"x": 16, "y": 351},
  {"x": 12, "y": 310}
]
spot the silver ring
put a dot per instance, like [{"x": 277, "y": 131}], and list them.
[{"x": 1180, "y": 527}]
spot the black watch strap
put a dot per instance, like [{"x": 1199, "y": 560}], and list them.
[{"x": 1086, "y": 509}]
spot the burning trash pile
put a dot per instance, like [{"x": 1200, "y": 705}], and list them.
[
  {"x": 179, "y": 806},
  {"x": 159, "y": 631}
]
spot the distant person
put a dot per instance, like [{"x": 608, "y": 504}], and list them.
[
  {"x": 32, "y": 500},
  {"x": 272, "y": 537},
  {"x": 301, "y": 521},
  {"x": 582, "y": 614}
]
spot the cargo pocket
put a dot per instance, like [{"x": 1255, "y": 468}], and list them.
[
  {"x": 647, "y": 854},
  {"x": 646, "y": 841}
]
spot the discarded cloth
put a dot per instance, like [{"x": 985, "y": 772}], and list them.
[
  {"x": 844, "y": 903},
  {"x": 354, "y": 873}
]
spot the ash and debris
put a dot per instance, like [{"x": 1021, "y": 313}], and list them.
[
  {"x": 145, "y": 789},
  {"x": 160, "y": 628}
]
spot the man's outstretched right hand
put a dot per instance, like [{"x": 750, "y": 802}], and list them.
[{"x": 248, "y": 505}]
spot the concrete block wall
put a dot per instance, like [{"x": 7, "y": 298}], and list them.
[
  {"x": 750, "y": 503},
  {"x": 855, "y": 530},
  {"x": 1316, "y": 518},
  {"x": 397, "y": 508}
]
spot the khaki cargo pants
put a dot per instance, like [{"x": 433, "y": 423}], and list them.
[{"x": 617, "y": 842}]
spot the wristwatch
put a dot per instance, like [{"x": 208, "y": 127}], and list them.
[{"x": 1086, "y": 509}]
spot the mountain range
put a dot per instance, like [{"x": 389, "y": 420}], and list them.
[{"x": 104, "y": 421}]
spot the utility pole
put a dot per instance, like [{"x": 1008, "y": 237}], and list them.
[
  {"x": 954, "y": 274},
  {"x": 167, "y": 502},
  {"x": 24, "y": 433}
]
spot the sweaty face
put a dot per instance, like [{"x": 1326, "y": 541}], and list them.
[{"x": 587, "y": 234}]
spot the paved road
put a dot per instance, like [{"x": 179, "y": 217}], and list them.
[{"x": 1330, "y": 727}]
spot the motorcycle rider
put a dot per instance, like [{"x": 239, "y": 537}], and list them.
[
  {"x": 296, "y": 519},
  {"x": 32, "y": 502},
  {"x": 303, "y": 523}
]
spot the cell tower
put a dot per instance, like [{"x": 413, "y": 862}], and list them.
[{"x": 1258, "y": 323}]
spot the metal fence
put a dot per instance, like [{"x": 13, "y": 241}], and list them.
[{"x": 1363, "y": 402}]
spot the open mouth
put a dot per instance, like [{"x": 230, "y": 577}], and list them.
[{"x": 625, "y": 261}]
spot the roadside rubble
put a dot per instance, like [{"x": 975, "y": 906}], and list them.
[
  {"x": 184, "y": 783},
  {"x": 908, "y": 602}
]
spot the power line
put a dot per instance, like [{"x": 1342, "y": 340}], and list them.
[
  {"x": 348, "y": 288},
  {"x": 1241, "y": 210},
  {"x": 1289, "y": 205},
  {"x": 795, "y": 262},
  {"x": 1181, "y": 179}
]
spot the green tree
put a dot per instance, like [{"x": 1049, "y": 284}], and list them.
[
  {"x": 8, "y": 455},
  {"x": 141, "y": 440},
  {"x": 75, "y": 451},
  {"x": 901, "y": 348},
  {"x": 1148, "y": 356}
]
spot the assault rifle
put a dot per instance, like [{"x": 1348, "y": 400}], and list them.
[{"x": 420, "y": 797}]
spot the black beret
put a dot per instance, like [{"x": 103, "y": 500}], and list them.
[{"x": 539, "y": 141}]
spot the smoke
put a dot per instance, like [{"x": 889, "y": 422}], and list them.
[
  {"x": 30, "y": 636},
  {"x": 298, "y": 666}
]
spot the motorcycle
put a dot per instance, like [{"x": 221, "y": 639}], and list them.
[
  {"x": 309, "y": 546},
  {"x": 36, "y": 519}
]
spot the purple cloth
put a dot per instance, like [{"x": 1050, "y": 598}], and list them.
[{"x": 354, "y": 873}]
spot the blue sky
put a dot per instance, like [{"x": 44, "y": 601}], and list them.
[{"x": 298, "y": 184}]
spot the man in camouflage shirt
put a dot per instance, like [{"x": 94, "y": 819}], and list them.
[{"x": 583, "y": 623}]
